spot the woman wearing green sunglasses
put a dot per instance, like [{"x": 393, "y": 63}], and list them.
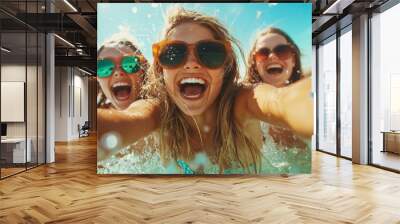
[
  {"x": 206, "y": 122},
  {"x": 121, "y": 69}
]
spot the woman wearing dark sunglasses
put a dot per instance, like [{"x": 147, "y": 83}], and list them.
[
  {"x": 121, "y": 68},
  {"x": 275, "y": 59},
  {"x": 206, "y": 121}
]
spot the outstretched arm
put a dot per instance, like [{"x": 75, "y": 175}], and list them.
[
  {"x": 118, "y": 129},
  {"x": 291, "y": 106}
]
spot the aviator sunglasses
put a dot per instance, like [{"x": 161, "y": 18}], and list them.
[
  {"x": 282, "y": 51},
  {"x": 128, "y": 64},
  {"x": 211, "y": 54}
]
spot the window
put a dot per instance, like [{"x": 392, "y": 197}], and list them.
[
  {"x": 327, "y": 96},
  {"x": 385, "y": 88},
  {"x": 346, "y": 93}
]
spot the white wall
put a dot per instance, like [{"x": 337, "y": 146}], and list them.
[
  {"x": 16, "y": 73},
  {"x": 61, "y": 103},
  {"x": 71, "y": 102},
  {"x": 33, "y": 127},
  {"x": 80, "y": 101},
  {"x": 13, "y": 73}
]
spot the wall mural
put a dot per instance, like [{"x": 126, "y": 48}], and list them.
[{"x": 204, "y": 88}]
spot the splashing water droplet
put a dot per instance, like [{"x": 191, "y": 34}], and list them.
[{"x": 110, "y": 140}]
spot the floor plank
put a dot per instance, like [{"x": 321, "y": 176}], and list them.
[{"x": 69, "y": 191}]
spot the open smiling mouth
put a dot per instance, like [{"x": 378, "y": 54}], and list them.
[
  {"x": 192, "y": 88},
  {"x": 274, "y": 69},
  {"x": 121, "y": 90}
]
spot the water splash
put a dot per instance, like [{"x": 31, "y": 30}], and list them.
[{"x": 143, "y": 157}]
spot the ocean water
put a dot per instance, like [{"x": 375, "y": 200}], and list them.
[{"x": 142, "y": 158}]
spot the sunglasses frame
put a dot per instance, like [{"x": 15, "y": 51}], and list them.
[
  {"x": 157, "y": 48},
  {"x": 113, "y": 60},
  {"x": 293, "y": 51}
]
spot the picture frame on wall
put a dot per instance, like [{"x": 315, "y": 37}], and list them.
[{"x": 204, "y": 88}]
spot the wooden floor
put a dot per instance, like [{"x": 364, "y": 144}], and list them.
[
  {"x": 5, "y": 172},
  {"x": 69, "y": 191}
]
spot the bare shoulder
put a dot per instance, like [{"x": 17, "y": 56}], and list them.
[
  {"x": 144, "y": 103},
  {"x": 144, "y": 107},
  {"x": 240, "y": 105}
]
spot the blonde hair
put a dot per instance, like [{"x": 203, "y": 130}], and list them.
[
  {"x": 233, "y": 147},
  {"x": 252, "y": 75}
]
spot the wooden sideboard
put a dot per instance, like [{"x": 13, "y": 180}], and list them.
[{"x": 391, "y": 141}]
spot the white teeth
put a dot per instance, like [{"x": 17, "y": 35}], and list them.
[
  {"x": 192, "y": 81},
  {"x": 274, "y": 66},
  {"x": 118, "y": 84}
]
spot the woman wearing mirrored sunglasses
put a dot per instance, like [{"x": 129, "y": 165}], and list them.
[
  {"x": 121, "y": 69},
  {"x": 197, "y": 106},
  {"x": 275, "y": 59}
]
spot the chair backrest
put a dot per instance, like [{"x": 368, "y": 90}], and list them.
[{"x": 86, "y": 125}]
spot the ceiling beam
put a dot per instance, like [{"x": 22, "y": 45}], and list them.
[
  {"x": 337, "y": 6},
  {"x": 86, "y": 26},
  {"x": 83, "y": 61}
]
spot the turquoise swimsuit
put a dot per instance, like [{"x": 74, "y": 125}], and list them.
[{"x": 185, "y": 167}]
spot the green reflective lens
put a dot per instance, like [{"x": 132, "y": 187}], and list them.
[
  {"x": 211, "y": 54},
  {"x": 105, "y": 68},
  {"x": 130, "y": 64}
]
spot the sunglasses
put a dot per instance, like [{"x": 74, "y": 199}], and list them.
[
  {"x": 211, "y": 54},
  {"x": 128, "y": 64},
  {"x": 282, "y": 51}
]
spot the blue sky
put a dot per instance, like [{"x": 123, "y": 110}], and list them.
[{"x": 144, "y": 22}]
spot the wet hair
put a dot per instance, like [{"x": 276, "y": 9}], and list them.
[
  {"x": 233, "y": 148},
  {"x": 252, "y": 74}
]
